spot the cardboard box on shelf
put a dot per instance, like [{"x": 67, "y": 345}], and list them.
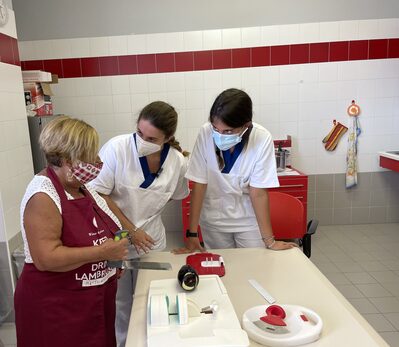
[{"x": 38, "y": 93}]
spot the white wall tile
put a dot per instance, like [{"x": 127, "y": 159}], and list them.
[
  {"x": 121, "y": 103},
  {"x": 174, "y": 42},
  {"x": 289, "y": 93},
  {"x": 368, "y": 29},
  {"x": 251, "y": 37},
  {"x": 27, "y": 50},
  {"x": 62, "y": 48},
  {"x": 328, "y": 72},
  {"x": 212, "y": 39},
  {"x": 101, "y": 85},
  {"x": 270, "y": 35},
  {"x": 82, "y": 87},
  {"x": 309, "y": 32},
  {"x": 213, "y": 79},
  {"x": 250, "y": 77},
  {"x": 192, "y": 40},
  {"x": 329, "y": 31},
  {"x": 289, "y": 34},
  {"x": 348, "y": 30},
  {"x": 231, "y": 79},
  {"x": 99, "y": 46},
  {"x": 118, "y": 45},
  {"x": 177, "y": 100},
  {"x": 156, "y": 83},
  {"x": 155, "y": 43},
  {"x": 80, "y": 48},
  {"x": 231, "y": 38},
  {"x": 120, "y": 85},
  {"x": 194, "y": 99},
  {"x": 175, "y": 82},
  {"x": 388, "y": 28},
  {"x": 138, "y": 101},
  {"x": 194, "y": 80},
  {"x": 138, "y": 84},
  {"x": 136, "y": 44},
  {"x": 103, "y": 104},
  {"x": 44, "y": 49},
  {"x": 289, "y": 74},
  {"x": 270, "y": 94}
]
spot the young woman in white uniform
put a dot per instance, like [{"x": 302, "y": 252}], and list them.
[
  {"x": 232, "y": 163},
  {"x": 141, "y": 173}
]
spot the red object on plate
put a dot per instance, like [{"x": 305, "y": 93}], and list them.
[{"x": 207, "y": 264}]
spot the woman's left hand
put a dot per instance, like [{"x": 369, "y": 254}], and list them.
[{"x": 281, "y": 245}]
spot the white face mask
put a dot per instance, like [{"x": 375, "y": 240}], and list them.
[{"x": 145, "y": 148}]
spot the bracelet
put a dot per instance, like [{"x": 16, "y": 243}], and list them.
[
  {"x": 135, "y": 229},
  {"x": 266, "y": 240}
]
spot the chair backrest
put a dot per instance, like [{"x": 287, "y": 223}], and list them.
[{"x": 287, "y": 216}]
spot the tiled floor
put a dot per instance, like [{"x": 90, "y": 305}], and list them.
[{"x": 362, "y": 261}]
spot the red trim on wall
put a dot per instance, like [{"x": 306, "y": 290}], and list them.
[
  {"x": 9, "y": 50},
  {"x": 305, "y": 53}
]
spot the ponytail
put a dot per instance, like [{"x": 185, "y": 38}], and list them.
[{"x": 175, "y": 144}]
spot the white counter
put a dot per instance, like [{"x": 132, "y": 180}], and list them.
[{"x": 288, "y": 275}]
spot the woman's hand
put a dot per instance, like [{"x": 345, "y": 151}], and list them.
[
  {"x": 115, "y": 250},
  {"x": 192, "y": 244},
  {"x": 281, "y": 245},
  {"x": 141, "y": 240}
]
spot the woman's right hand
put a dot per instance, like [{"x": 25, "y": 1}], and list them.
[
  {"x": 192, "y": 244},
  {"x": 115, "y": 250},
  {"x": 142, "y": 241}
]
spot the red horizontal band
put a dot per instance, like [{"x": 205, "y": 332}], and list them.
[
  {"x": 219, "y": 59},
  {"x": 9, "y": 50}
]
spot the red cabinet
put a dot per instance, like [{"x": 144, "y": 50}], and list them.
[{"x": 294, "y": 185}]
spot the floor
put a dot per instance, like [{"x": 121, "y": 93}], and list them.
[{"x": 362, "y": 261}]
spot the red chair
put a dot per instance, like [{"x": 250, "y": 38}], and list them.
[{"x": 287, "y": 216}]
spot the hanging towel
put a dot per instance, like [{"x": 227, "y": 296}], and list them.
[
  {"x": 333, "y": 137},
  {"x": 351, "y": 156}
]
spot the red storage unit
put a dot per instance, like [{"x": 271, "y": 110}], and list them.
[{"x": 294, "y": 185}]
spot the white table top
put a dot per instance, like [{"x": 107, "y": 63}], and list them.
[{"x": 288, "y": 275}]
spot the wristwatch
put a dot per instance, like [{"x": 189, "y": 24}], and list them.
[{"x": 190, "y": 234}]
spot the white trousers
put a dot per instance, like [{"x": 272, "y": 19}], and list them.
[
  {"x": 124, "y": 302},
  {"x": 218, "y": 240}
]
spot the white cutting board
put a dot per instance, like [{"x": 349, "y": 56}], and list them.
[{"x": 220, "y": 330}]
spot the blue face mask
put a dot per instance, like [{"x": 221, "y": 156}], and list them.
[{"x": 226, "y": 141}]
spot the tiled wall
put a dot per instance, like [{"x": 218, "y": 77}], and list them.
[
  {"x": 374, "y": 200},
  {"x": 300, "y": 78},
  {"x": 15, "y": 158}
]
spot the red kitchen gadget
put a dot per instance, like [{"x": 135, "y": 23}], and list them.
[{"x": 207, "y": 263}]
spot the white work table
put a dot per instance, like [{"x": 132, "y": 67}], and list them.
[{"x": 288, "y": 275}]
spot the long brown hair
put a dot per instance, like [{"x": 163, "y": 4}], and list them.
[{"x": 164, "y": 117}]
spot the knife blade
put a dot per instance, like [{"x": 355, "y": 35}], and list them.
[{"x": 145, "y": 265}]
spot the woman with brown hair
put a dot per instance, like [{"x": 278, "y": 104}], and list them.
[
  {"x": 66, "y": 293},
  {"x": 141, "y": 173}
]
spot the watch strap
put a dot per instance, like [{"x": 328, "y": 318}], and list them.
[{"x": 190, "y": 234}]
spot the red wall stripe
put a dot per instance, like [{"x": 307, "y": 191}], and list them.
[
  {"x": 9, "y": 50},
  {"x": 318, "y": 52}
]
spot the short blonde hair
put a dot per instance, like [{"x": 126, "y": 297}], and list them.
[{"x": 70, "y": 139}]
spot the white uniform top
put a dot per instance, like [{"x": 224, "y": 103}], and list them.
[
  {"x": 121, "y": 177},
  {"x": 43, "y": 184},
  {"x": 227, "y": 206}
]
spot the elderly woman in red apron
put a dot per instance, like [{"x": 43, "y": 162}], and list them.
[{"x": 66, "y": 293}]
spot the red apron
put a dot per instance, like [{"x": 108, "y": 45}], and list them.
[{"x": 72, "y": 308}]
